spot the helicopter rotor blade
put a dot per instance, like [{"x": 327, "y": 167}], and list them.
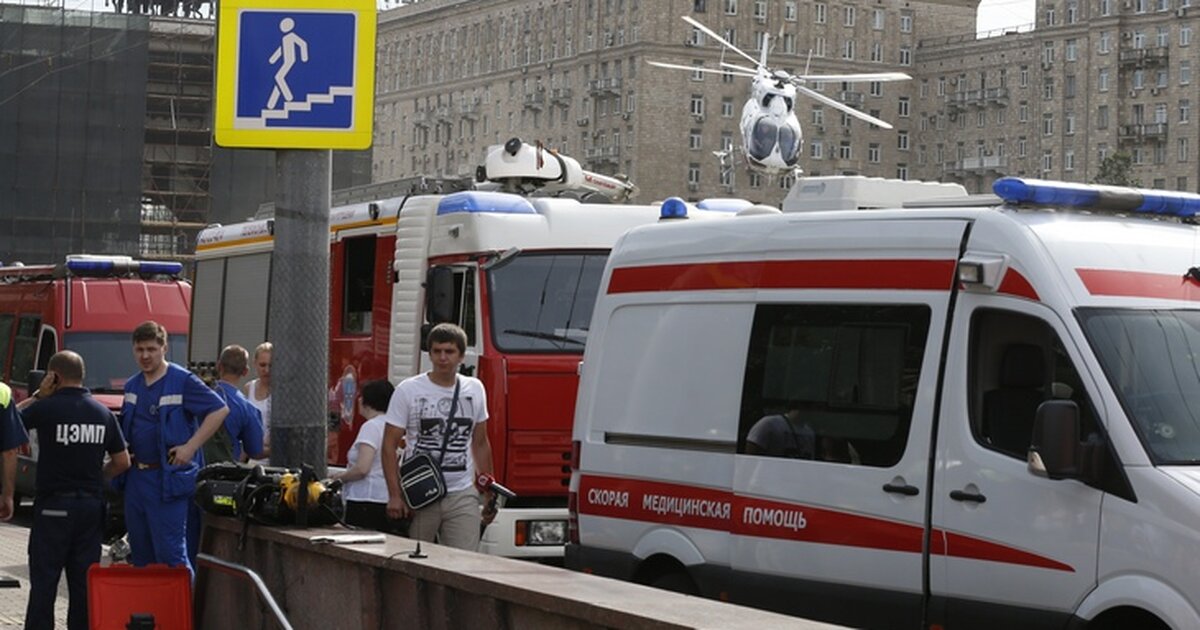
[
  {"x": 842, "y": 107},
  {"x": 734, "y": 66},
  {"x": 675, "y": 66},
  {"x": 853, "y": 78},
  {"x": 713, "y": 34}
]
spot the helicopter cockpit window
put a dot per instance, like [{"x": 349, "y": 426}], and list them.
[{"x": 767, "y": 134}]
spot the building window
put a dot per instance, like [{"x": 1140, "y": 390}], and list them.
[
  {"x": 727, "y": 107},
  {"x": 906, "y": 22},
  {"x": 902, "y": 140},
  {"x": 876, "y": 52},
  {"x": 1047, "y": 124},
  {"x": 848, "y": 49},
  {"x": 875, "y": 88},
  {"x": 1181, "y": 183},
  {"x": 1048, "y": 88},
  {"x": 697, "y": 105},
  {"x": 1069, "y": 86},
  {"x": 1047, "y": 161},
  {"x": 1185, "y": 35},
  {"x": 816, "y": 150},
  {"x": 1069, "y": 160},
  {"x": 844, "y": 150},
  {"x": 848, "y": 16},
  {"x": 1102, "y": 117},
  {"x": 901, "y": 171},
  {"x": 730, "y": 7},
  {"x": 905, "y": 56},
  {"x": 1185, "y": 111},
  {"x": 877, "y": 19},
  {"x": 1069, "y": 123},
  {"x": 873, "y": 153},
  {"x": 1104, "y": 45},
  {"x": 819, "y": 13},
  {"x": 1071, "y": 50},
  {"x": 1023, "y": 79},
  {"x": 1102, "y": 80},
  {"x": 789, "y": 10},
  {"x": 693, "y": 174},
  {"x": 760, "y": 9},
  {"x": 1183, "y": 148},
  {"x": 1185, "y": 72},
  {"x": 697, "y": 70},
  {"x": 902, "y": 107},
  {"x": 694, "y": 139}
]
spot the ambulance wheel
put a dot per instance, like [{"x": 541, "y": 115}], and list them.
[{"x": 677, "y": 581}]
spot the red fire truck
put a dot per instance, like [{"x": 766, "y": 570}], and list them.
[
  {"x": 89, "y": 304},
  {"x": 519, "y": 273}
]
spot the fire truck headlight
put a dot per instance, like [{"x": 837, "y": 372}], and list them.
[{"x": 541, "y": 533}]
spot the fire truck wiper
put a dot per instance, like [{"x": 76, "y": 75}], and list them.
[{"x": 537, "y": 334}]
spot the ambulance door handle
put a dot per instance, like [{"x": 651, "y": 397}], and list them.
[
  {"x": 973, "y": 497},
  {"x": 901, "y": 488}
]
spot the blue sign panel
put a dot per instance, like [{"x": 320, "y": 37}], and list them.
[{"x": 295, "y": 69}]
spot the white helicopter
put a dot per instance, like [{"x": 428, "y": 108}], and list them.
[{"x": 771, "y": 135}]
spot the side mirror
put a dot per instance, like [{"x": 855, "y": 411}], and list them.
[
  {"x": 439, "y": 295},
  {"x": 34, "y": 379},
  {"x": 1054, "y": 450}
]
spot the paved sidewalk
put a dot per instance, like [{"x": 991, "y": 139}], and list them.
[{"x": 14, "y": 562}]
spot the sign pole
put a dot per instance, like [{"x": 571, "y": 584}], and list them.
[{"x": 299, "y": 317}]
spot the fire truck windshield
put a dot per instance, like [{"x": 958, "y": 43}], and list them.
[
  {"x": 1152, "y": 360},
  {"x": 542, "y": 302},
  {"x": 108, "y": 357}
]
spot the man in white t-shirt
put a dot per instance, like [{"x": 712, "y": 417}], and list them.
[{"x": 418, "y": 416}]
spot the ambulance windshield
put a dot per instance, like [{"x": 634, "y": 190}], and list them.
[
  {"x": 542, "y": 302},
  {"x": 108, "y": 357},
  {"x": 1152, "y": 360}
]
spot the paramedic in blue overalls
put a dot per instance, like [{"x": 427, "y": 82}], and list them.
[
  {"x": 75, "y": 432},
  {"x": 169, "y": 413},
  {"x": 12, "y": 436}
]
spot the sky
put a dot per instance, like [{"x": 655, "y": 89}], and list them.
[
  {"x": 1002, "y": 14},
  {"x": 993, "y": 14}
]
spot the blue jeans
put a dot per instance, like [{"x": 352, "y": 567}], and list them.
[{"x": 67, "y": 532}]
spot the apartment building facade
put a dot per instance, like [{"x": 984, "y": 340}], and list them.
[
  {"x": 455, "y": 76},
  {"x": 1095, "y": 77}
]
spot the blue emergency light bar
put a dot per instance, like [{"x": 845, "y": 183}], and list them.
[
  {"x": 100, "y": 266},
  {"x": 484, "y": 202},
  {"x": 1096, "y": 197},
  {"x": 724, "y": 204},
  {"x": 673, "y": 208}
]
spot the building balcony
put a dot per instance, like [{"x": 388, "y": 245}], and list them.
[
  {"x": 977, "y": 98},
  {"x": 977, "y": 164},
  {"x": 535, "y": 101},
  {"x": 421, "y": 118},
  {"x": 1152, "y": 131},
  {"x": 601, "y": 155},
  {"x": 469, "y": 109},
  {"x": 853, "y": 99},
  {"x": 607, "y": 84},
  {"x": 560, "y": 96},
  {"x": 1144, "y": 57}
]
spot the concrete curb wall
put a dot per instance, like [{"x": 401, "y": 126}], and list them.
[{"x": 378, "y": 586}]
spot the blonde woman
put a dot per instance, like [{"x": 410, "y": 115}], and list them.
[{"x": 258, "y": 392}]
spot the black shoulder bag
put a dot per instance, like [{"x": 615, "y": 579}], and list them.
[{"x": 421, "y": 478}]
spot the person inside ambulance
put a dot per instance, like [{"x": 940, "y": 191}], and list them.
[{"x": 783, "y": 434}]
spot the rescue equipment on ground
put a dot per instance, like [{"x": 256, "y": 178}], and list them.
[{"x": 268, "y": 495}]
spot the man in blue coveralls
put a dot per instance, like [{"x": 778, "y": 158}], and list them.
[
  {"x": 12, "y": 436},
  {"x": 169, "y": 413},
  {"x": 242, "y": 434},
  {"x": 75, "y": 433}
]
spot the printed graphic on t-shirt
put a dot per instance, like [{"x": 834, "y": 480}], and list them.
[{"x": 432, "y": 414}]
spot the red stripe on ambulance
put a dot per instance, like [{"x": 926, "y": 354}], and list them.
[
  {"x": 1112, "y": 282},
  {"x": 915, "y": 275},
  {"x": 709, "y": 508}
]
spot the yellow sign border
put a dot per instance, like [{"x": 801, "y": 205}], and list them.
[{"x": 358, "y": 137}]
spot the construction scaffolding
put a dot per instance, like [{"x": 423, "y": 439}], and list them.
[{"x": 72, "y": 106}]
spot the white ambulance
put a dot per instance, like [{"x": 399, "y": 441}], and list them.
[{"x": 948, "y": 416}]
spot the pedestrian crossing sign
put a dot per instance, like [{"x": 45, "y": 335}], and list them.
[{"x": 300, "y": 76}]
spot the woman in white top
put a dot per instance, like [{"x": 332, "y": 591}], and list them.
[
  {"x": 364, "y": 489},
  {"x": 258, "y": 392}
]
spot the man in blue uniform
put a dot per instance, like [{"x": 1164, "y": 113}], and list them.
[
  {"x": 12, "y": 436},
  {"x": 168, "y": 415},
  {"x": 240, "y": 437},
  {"x": 75, "y": 432}
]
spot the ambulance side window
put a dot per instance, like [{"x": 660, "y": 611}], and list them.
[
  {"x": 6, "y": 330},
  {"x": 832, "y": 382},
  {"x": 464, "y": 301},
  {"x": 1017, "y": 363},
  {"x": 24, "y": 347}
]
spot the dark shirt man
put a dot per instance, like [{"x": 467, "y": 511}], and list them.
[
  {"x": 12, "y": 436},
  {"x": 75, "y": 432}
]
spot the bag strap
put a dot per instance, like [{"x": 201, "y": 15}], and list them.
[{"x": 449, "y": 418}]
